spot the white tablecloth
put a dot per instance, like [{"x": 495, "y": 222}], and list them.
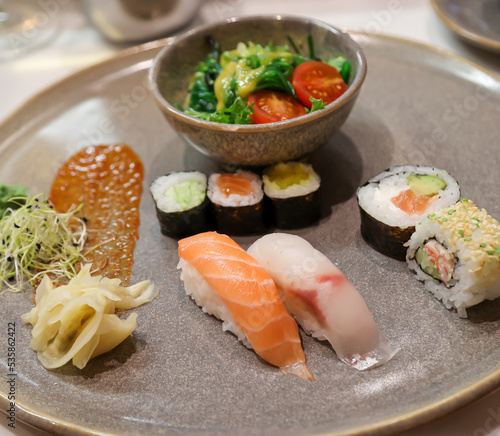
[{"x": 76, "y": 44}]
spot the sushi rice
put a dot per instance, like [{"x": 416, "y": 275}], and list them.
[
  {"x": 179, "y": 191},
  {"x": 210, "y": 302},
  {"x": 218, "y": 197}
]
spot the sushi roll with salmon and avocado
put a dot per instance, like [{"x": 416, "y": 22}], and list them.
[
  {"x": 394, "y": 201},
  {"x": 292, "y": 190},
  {"x": 181, "y": 203}
]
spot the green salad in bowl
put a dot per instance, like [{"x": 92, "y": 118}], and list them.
[
  {"x": 259, "y": 90},
  {"x": 259, "y": 84}
]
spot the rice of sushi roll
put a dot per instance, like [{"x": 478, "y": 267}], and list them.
[
  {"x": 292, "y": 189},
  {"x": 456, "y": 253},
  {"x": 394, "y": 201},
  {"x": 181, "y": 203},
  {"x": 237, "y": 202}
]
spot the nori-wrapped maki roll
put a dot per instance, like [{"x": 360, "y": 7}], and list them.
[
  {"x": 237, "y": 202},
  {"x": 181, "y": 203},
  {"x": 394, "y": 201},
  {"x": 292, "y": 190}
]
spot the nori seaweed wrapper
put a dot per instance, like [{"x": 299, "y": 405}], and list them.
[
  {"x": 388, "y": 240},
  {"x": 240, "y": 220},
  {"x": 185, "y": 223},
  {"x": 295, "y": 212}
]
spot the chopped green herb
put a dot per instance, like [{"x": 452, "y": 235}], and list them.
[
  {"x": 292, "y": 43},
  {"x": 468, "y": 239},
  {"x": 482, "y": 245},
  {"x": 451, "y": 212},
  {"x": 490, "y": 252},
  {"x": 445, "y": 220},
  {"x": 497, "y": 250},
  {"x": 475, "y": 219},
  {"x": 310, "y": 44},
  {"x": 461, "y": 233},
  {"x": 317, "y": 103}
]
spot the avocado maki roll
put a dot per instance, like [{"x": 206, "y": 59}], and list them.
[
  {"x": 292, "y": 189},
  {"x": 394, "y": 201},
  {"x": 237, "y": 202},
  {"x": 181, "y": 203},
  {"x": 456, "y": 253}
]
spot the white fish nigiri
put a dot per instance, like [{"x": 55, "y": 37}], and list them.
[{"x": 322, "y": 300}]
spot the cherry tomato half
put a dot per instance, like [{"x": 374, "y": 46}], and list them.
[
  {"x": 272, "y": 106},
  {"x": 319, "y": 80}
]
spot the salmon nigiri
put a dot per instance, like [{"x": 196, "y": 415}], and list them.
[
  {"x": 229, "y": 284},
  {"x": 322, "y": 300}
]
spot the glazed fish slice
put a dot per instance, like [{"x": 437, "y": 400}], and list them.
[
  {"x": 229, "y": 284},
  {"x": 322, "y": 300}
]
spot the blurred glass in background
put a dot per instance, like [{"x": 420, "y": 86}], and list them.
[
  {"x": 26, "y": 25},
  {"x": 139, "y": 20}
]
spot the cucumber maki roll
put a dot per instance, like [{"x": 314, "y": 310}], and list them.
[
  {"x": 456, "y": 253},
  {"x": 394, "y": 201},
  {"x": 292, "y": 189},
  {"x": 237, "y": 202},
  {"x": 181, "y": 203}
]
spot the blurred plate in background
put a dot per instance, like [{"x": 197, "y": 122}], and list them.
[{"x": 477, "y": 21}]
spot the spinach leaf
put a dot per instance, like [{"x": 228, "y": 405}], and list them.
[
  {"x": 237, "y": 113},
  {"x": 275, "y": 76},
  {"x": 202, "y": 95}
]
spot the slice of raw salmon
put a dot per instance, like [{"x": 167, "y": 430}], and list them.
[
  {"x": 251, "y": 297},
  {"x": 234, "y": 184},
  {"x": 410, "y": 203}
]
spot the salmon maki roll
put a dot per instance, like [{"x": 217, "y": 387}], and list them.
[
  {"x": 228, "y": 283},
  {"x": 237, "y": 201}
]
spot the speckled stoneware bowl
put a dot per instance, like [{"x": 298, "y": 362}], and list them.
[{"x": 255, "y": 144}]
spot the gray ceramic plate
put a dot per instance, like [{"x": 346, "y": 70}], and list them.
[
  {"x": 475, "y": 21},
  {"x": 179, "y": 373}
]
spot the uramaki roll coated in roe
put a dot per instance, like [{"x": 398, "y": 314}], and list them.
[
  {"x": 456, "y": 253},
  {"x": 392, "y": 202}
]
